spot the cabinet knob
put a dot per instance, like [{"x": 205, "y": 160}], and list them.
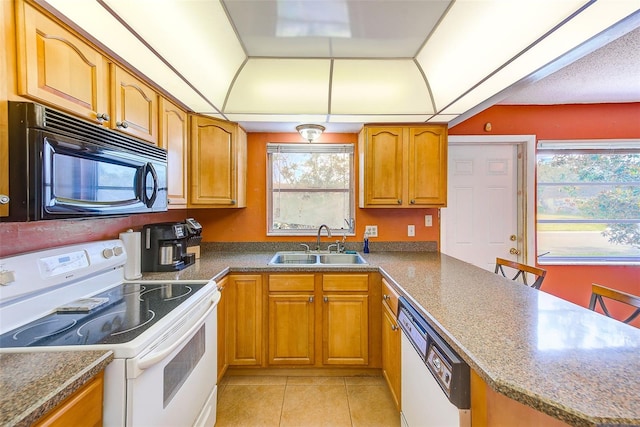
[
  {"x": 386, "y": 297},
  {"x": 413, "y": 202},
  {"x": 233, "y": 202},
  {"x": 399, "y": 201},
  {"x": 310, "y": 299},
  {"x": 394, "y": 327},
  {"x": 326, "y": 299},
  {"x": 123, "y": 124},
  {"x": 4, "y": 199},
  {"x": 103, "y": 117}
]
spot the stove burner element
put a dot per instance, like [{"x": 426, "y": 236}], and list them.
[{"x": 34, "y": 332}]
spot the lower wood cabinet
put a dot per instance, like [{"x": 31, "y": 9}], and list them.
[
  {"x": 391, "y": 352},
  {"x": 82, "y": 408},
  {"x": 291, "y": 319},
  {"x": 318, "y": 319},
  {"x": 244, "y": 319},
  {"x": 222, "y": 329}
]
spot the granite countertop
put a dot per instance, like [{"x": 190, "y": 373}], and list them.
[
  {"x": 33, "y": 383},
  {"x": 550, "y": 354}
]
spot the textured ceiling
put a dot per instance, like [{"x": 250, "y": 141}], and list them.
[{"x": 608, "y": 75}]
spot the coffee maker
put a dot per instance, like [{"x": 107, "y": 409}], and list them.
[{"x": 164, "y": 247}]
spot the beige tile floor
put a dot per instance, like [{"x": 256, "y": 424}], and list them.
[{"x": 305, "y": 402}]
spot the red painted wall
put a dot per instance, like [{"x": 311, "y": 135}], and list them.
[
  {"x": 584, "y": 121},
  {"x": 250, "y": 224}
]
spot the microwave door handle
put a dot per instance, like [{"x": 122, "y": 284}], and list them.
[{"x": 149, "y": 169}]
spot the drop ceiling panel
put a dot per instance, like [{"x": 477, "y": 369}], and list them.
[
  {"x": 476, "y": 38},
  {"x": 101, "y": 25},
  {"x": 281, "y": 86},
  {"x": 378, "y": 87},
  {"x": 378, "y": 118},
  {"x": 338, "y": 28},
  {"x": 194, "y": 36}
]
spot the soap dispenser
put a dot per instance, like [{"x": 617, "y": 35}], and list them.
[{"x": 366, "y": 243}]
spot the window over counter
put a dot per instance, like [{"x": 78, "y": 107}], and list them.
[
  {"x": 588, "y": 202},
  {"x": 310, "y": 185}
]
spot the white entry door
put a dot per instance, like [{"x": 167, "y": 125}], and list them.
[{"x": 486, "y": 203}]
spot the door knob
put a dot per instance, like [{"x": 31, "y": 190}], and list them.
[{"x": 514, "y": 251}]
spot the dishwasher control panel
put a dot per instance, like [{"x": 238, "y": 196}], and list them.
[{"x": 440, "y": 368}]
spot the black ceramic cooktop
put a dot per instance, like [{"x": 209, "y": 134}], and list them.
[{"x": 120, "y": 315}]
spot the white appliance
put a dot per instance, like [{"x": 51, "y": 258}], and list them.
[
  {"x": 163, "y": 333},
  {"x": 435, "y": 380}
]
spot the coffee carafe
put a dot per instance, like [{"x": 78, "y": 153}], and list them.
[{"x": 164, "y": 247}]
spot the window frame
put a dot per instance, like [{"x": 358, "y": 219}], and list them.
[
  {"x": 608, "y": 146},
  {"x": 322, "y": 148}
]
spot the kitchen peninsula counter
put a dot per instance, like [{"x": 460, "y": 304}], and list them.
[
  {"x": 559, "y": 358},
  {"x": 34, "y": 383}
]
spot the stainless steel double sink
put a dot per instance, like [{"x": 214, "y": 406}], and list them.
[{"x": 316, "y": 259}]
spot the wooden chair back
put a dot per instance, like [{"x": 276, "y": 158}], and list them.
[
  {"x": 599, "y": 292},
  {"x": 520, "y": 272}
]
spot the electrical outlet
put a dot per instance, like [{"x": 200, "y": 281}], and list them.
[
  {"x": 428, "y": 221},
  {"x": 371, "y": 230},
  {"x": 411, "y": 230}
]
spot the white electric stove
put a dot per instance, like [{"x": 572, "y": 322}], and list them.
[{"x": 163, "y": 333}]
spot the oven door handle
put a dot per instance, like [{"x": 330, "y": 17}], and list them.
[{"x": 154, "y": 358}]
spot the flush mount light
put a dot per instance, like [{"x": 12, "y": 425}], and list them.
[{"x": 310, "y": 132}]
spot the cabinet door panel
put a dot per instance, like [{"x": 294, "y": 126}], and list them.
[
  {"x": 173, "y": 138},
  {"x": 244, "y": 317},
  {"x": 383, "y": 159},
  {"x": 391, "y": 352},
  {"x": 135, "y": 108},
  {"x": 222, "y": 329},
  {"x": 345, "y": 337},
  {"x": 427, "y": 166},
  {"x": 58, "y": 68},
  {"x": 291, "y": 329}
]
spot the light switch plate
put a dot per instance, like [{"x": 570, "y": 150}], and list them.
[
  {"x": 411, "y": 230},
  {"x": 371, "y": 230}
]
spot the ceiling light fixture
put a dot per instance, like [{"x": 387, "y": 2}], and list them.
[{"x": 310, "y": 132}]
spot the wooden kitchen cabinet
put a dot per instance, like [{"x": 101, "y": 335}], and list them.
[
  {"x": 345, "y": 319},
  {"x": 244, "y": 319},
  {"x": 218, "y": 164},
  {"x": 82, "y": 408},
  {"x": 403, "y": 166},
  {"x": 222, "y": 329},
  {"x": 291, "y": 319},
  {"x": 391, "y": 356},
  {"x": 58, "y": 68},
  {"x": 174, "y": 128},
  {"x": 135, "y": 106}
]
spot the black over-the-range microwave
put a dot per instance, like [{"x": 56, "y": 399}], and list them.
[{"x": 61, "y": 166}]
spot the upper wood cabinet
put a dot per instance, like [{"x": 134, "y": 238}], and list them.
[
  {"x": 174, "y": 128},
  {"x": 56, "y": 67},
  {"x": 218, "y": 165},
  {"x": 403, "y": 166},
  {"x": 135, "y": 106}
]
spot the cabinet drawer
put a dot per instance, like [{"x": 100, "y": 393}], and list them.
[
  {"x": 345, "y": 282},
  {"x": 291, "y": 282},
  {"x": 390, "y": 296}
]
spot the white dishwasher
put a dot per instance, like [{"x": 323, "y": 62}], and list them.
[{"x": 435, "y": 380}]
